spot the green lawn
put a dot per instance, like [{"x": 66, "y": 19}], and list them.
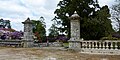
[{"x": 65, "y": 44}]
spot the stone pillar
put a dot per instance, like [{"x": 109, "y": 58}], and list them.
[
  {"x": 75, "y": 30},
  {"x": 28, "y": 40},
  {"x": 75, "y": 27}
]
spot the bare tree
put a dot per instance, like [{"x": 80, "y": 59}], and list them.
[{"x": 116, "y": 14}]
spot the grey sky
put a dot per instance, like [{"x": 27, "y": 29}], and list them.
[{"x": 18, "y": 10}]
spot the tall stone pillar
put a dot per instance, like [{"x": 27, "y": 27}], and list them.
[
  {"x": 75, "y": 30},
  {"x": 28, "y": 40}
]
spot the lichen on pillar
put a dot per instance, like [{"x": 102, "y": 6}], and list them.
[
  {"x": 28, "y": 40},
  {"x": 75, "y": 30}
]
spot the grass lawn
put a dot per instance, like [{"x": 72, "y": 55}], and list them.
[{"x": 66, "y": 44}]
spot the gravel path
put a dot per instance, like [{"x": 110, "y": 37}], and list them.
[{"x": 48, "y": 54}]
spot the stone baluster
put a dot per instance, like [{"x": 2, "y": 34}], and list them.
[
  {"x": 107, "y": 47},
  {"x": 96, "y": 45},
  {"x": 99, "y": 45},
  {"x": 93, "y": 45},
  {"x": 89, "y": 45},
  {"x": 103, "y": 46}
]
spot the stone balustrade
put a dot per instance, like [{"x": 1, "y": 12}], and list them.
[
  {"x": 100, "y": 44},
  {"x": 107, "y": 44},
  {"x": 90, "y": 46},
  {"x": 111, "y": 47},
  {"x": 11, "y": 43}
]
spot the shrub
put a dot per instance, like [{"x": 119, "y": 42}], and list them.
[{"x": 109, "y": 38}]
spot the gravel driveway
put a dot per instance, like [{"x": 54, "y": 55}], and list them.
[{"x": 48, "y": 54}]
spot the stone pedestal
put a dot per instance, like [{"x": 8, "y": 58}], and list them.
[
  {"x": 75, "y": 31},
  {"x": 28, "y": 40},
  {"x": 27, "y": 44}
]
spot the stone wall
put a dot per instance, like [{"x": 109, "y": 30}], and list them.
[{"x": 11, "y": 43}]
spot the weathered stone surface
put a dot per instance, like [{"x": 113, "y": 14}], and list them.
[
  {"x": 75, "y": 30},
  {"x": 90, "y": 47},
  {"x": 28, "y": 33}
]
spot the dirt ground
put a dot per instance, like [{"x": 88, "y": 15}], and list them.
[{"x": 48, "y": 54}]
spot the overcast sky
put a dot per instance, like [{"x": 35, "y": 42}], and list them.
[{"x": 17, "y": 11}]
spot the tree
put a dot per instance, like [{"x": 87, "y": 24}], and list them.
[
  {"x": 53, "y": 31},
  {"x": 116, "y": 14},
  {"x": 67, "y": 7},
  {"x": 5, "y": 24},
  {"x": 97, "y": 26},
  {"x": 39, "y": 29},
  {"x": 89, "y": 12}
]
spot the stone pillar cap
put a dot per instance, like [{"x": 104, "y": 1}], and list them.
[
  {"x": 75, "y": 14},
  {"x": 27, "y": 21}
]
